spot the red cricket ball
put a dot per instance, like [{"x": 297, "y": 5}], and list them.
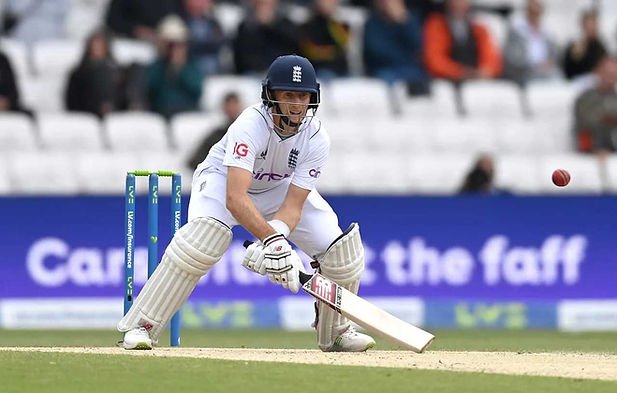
[{"x": 561, "y": 177}]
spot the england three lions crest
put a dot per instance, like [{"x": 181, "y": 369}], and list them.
[
  {"x": 292, "y": 160},
  {"x": 296, "y": 75}
]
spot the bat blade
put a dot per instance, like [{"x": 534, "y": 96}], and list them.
[{"x": 367, "y": 315}]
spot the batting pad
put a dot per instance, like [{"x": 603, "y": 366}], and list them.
[
  {"x": 343, "y": 263},
  {"x": 192, "y": 252}
]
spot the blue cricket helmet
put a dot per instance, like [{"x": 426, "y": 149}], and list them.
[{"x": 294, "y": 73}]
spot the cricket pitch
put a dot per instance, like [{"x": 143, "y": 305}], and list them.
[{"x": 567, "y": 365}]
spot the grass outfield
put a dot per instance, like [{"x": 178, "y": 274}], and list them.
[
  {"x": 451, "y": 340},
  {"x": 63, "y": 372}
]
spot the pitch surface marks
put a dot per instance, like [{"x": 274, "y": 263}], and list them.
[{"x": 569, "y": 365}]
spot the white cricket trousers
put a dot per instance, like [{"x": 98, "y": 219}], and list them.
[{"x": 318, "y": 226}]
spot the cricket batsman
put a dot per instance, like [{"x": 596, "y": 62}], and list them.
[{"x": 260, "y": 175}]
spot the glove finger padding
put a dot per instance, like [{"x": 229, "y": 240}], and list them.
[
  {"x": 285, "y": 272},
  {"x": 254, "y": 258},
  {"x": 282, "y": 263},
  {"x": 292, "y": 277}
]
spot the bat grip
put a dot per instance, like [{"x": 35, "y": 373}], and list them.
[{"x": 303, "y": 276}]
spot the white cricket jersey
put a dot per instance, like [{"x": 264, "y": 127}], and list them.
[{"x": 252, "y": 144}]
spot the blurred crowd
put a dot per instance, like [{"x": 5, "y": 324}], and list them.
[{"x": 411, "y": 42}]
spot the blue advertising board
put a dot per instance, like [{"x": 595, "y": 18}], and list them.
[{"x": 499, "y": 249}]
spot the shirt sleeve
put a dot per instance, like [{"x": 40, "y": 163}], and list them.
[
  {"x": 308, "y": 171},
  {"x": 242, "y": 144}
]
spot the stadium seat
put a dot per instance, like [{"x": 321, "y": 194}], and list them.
[
  {"x": 437, "y": 173},
  {"x": 70, "y": 132},
  {"x": 390, "y": 134},
  {"x": 492, "y": 98},
  {"x": 17, "y": 133},
  {"x": 104, "y": 172},
  {"x": 608, "y": 170},
  {"x": 44, "y": 93},
  {"x": 42, "y": 173},
  {"x": 442, "y": 101},
  {"x": 517, "y": 173},
  {"x": 56, "y": 57},
  {"x": 496, "y": 26},
  {"x": 417, "y": 107},
  {"x": 533, "y": 135},
  {"x": 377, "y": 134},
  {"x": 189, "y": 129},
  {"x": 347, "y": 135},
  {"x": 552, "y": 100},
  {"x": 607, "y": 25},
  {"x": 555, "y": 135},
  {"x": 85, "y": 16},
  {"x": 556, "y": 16},
  {"x": 216, "y": 87},
  {"x": 517, "y": 136},
  {"x": 170, "y": 162},
  {"x": 39, "y": 93},
  {"x": 297, "y": 13},
  {"x": 518, "y": 4},
  {"x": 359, "y": 97},
  {"x": 330, "y": 182},
  {"x": 18, "y": 55},
  {"x": 378, "y": 173},
  {"x": 584, "y": 170},
  {"x": 229, "y": 16},
  {"x": 5, "y": 180},
  {"x": 127, "y": 51},
  {"x": 136, "y": 131},
  {"x": 471, "y": 135},
  {"x": 355, "y": 17}
]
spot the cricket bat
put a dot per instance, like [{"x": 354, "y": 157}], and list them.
[{"x": 364, "y": 313}]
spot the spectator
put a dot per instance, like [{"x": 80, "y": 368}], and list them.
[
  {"x": 457, "y": 48},
  {"x": 92, "y": 85},
  {"x": 232, "y": 109},
  {"x": 392, "y": 46},
  {"x": 529, "y": 52},
  {"x": 264, "y": 35},
  {"x": 138, "y": 19},
  {"x": 424, "y": 8},
  {"x": 173, "y": 81},
  {"x": 9, "y": 94},
  {"x": 35, "y": 20},
  {"x": 324, "y": 40},
  {"x": 132, "y": 88},
  {"x": 479, "y": 180},
  {"x": 584, "y": 54},
  {"x": 596, "y": 112},
  {"x": 206, "y": 38}
]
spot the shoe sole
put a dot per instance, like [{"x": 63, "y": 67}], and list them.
[
  {"x": 143, "y": 346},
  {"x": 336, "y": 348}
]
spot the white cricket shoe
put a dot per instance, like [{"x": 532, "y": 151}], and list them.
[
  {"x": 352, "y": 341},
  {"x": 137, "y": 338}
]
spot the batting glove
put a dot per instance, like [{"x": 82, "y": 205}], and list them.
[{"x": 275, "y": 258}]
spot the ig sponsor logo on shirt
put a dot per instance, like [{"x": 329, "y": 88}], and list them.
[{"x": 240, "y": 150}]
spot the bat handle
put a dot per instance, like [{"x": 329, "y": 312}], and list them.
[{"x": 303, "y": 276}]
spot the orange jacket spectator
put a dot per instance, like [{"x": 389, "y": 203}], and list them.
[{"x": 438, "y": 46}]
